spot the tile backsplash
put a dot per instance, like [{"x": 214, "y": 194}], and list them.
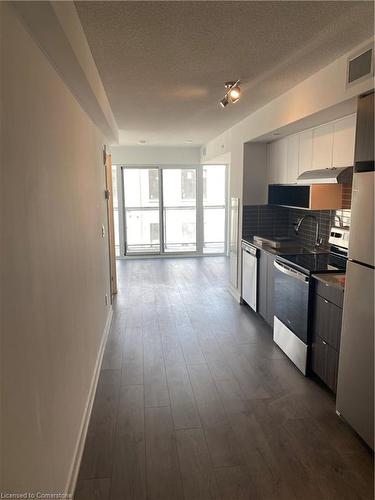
[
  {"x": 265, "y": 220},
  {"x": 272, "y": 220}
]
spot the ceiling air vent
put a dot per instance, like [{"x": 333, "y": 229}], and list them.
[{"x": 360, "y": 66}]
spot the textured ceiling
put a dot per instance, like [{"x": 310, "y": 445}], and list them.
[{"x": 164, "y": 64}]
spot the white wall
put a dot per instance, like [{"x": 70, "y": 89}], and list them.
[
  {"x": 54, "y": 265},
  {"x": 150, "y": 155},
  {"x": 323, "y": 90}
]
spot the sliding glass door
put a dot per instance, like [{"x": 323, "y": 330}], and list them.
[
  {"x": 142, "y": 210},
  {"x": 179, "y": 209},
  {"x": 173, "y": 210}
]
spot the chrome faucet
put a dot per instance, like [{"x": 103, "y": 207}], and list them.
[
  {"x": 339, "y": 219},
  {"x": 318, "y": 240}
]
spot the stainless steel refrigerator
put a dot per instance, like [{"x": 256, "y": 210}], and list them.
[{"x": 355, "y": 387}]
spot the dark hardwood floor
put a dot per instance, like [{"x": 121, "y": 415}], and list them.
[{"x": 196, "y": 402}]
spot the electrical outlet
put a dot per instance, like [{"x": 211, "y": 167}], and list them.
[{"x": 103, "y": 231}]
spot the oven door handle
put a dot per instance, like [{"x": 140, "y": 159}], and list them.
[{"x": 290, "y": 272}]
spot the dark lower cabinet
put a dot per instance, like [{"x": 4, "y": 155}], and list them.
[
  {"x": 262, "y": 284},
  {"x": 326, "y": 333},
  {"x": 327, "y": 321},
  {"x": 324, "y": 362},
  {"x": 265, "y": 286}
]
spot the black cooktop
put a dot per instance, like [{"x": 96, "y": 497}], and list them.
[{"x": 312, "y": 263}]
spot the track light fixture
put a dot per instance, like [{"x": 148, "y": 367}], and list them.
[{"x": 233, "y": 93}]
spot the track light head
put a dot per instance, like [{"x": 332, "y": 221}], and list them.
[
  {"x": 229, "y": 85},
  {"x": 233, "y": 93},
  {"x": 224, "y": 102}
]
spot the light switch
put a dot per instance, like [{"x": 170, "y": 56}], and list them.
[{"x": 103, "y": 231}]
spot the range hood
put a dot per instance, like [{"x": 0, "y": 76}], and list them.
[{"x": 342, "y": 175}]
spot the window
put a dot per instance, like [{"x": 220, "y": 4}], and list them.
[
  {"x": 141, "y": 198},
  {"x": 154, "y": 232},
  {"x": 188, "y": 231},
  {"x": 179, "y": 209},
  {"x": 204, "y": 184},
  {"x": 214, "y": 182},
  {"x": 188, "y": 184},
  {"x": 187, "y": 221},
  {"x": 153, "y": 184}
]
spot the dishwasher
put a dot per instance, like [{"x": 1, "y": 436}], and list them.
[{"x": 249, "y": 274}]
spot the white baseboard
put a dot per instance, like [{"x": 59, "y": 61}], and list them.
[
  {"x": 73, "y": 475},
  {"x": 235, "y": 293}
]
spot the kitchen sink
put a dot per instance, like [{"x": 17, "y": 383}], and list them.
[
  {"x": 300, "y": 250},
  {"x": 284, "y": 245}
]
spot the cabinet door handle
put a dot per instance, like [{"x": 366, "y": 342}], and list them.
[
  {"x": 326, "y": 301},
  {"x": 324, "y": 342}
]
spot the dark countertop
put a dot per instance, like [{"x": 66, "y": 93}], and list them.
[
  {"x": 336, "y": 279},
  {"x": 332, "y": 279},
  {"x": 275, "y": 251}
]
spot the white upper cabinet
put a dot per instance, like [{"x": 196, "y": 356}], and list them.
[
  {"x": 326, "y": 146},
  {"x": 277, "y": 162},
  {"x": 343, "y": 141},
  {"x": 292, "y": 158},
  {"x": 282, "y": 149},
  {"x": 322, "y": 146},
  {"x": 305, "y": 151}
]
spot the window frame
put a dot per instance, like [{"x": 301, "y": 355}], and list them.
[{"x": 198, "y": 252}]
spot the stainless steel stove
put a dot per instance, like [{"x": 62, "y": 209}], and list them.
[{"x": 292, "y": 278}]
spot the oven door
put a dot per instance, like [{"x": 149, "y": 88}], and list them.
[{"x": 291, "y": 299}]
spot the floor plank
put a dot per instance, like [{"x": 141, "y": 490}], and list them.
[
  {"x": 93, "y": 489},
  {"x": 155, "y": 381},
  {"x": 97, "y": 457},
  {"x": 132, "y": 360},
  {"x": 163, "y": 472},
  {"x": 184, "y": 408},
  {"x": 219, "y": 435},
  {"x": 129, "y": 464},
  {"x": 197, "y": 474},
  {"x": 235, "y": 484}
]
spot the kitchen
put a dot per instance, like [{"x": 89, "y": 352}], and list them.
[{"x": 308, "y": 256}]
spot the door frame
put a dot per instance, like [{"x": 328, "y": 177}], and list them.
[{"x": 110, "y": 222}]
